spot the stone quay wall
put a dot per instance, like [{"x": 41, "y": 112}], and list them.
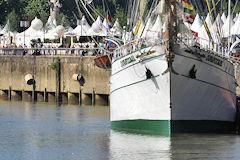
[{"x": 53, "y": 79}]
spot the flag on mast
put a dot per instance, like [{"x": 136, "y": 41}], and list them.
[
  {"x": 187, "y": 5},
  {"x": 109, "y": 20}
]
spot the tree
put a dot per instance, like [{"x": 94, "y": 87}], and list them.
[
  {"x": 121, "y": 16},
  {"x": 14, "y": 21},
  {"x": 37, "y": 8}
]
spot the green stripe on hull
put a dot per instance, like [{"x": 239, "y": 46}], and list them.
[
  {"x": 153, "y": 127},
  {"x": 167, "y": 127}
]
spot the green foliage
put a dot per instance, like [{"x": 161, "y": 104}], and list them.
[
  {"x": 14, "y": 20},
  {"x": 121, "y": 16},
  {"x": 53, "y": 66},
  {"x": 37, "y": 8},
  {"x": 63, "y": 20}
]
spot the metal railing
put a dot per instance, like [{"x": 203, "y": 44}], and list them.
[
  {"x": 52, "y": 51},
  {"x": 135, "y": 45}
]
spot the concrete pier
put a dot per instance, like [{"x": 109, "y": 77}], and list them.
[{"x": 53, "y": 78}]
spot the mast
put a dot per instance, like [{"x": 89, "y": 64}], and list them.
[
  {"x": 229, "y": 14},
  {"x": 172, "y": 22}
]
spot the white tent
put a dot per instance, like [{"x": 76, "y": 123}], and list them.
[
  {"x": 1, "y": 28},
  {"x": 160, "y": 8},
  {"x": 105, "y": 24},
  {"x": 235, "y": 18},
  {"x": 97, "y": 28},
  {"x": 7, "y": 35},
  {"x": 209, "y": 21},
  {"x": 147, "y": 28},
  {"x": 217, "y": 29},
  {"x": 6, "y": 29},
  {"x": 204, "y": 39},
  {"x": 116, "y": 29},
  {"x": 156, "y": 30},
  {"x": 81, "y": 29},
  {"x": 35, "y": 31},
  {"x": 197, "y": 24},
  {"x": 50, "y": 25},
  {"x": 225, "y": 28},
  {"x": 223, "y": 18}
]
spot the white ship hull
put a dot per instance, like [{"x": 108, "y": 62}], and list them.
[{"x": 172, "y": 102}]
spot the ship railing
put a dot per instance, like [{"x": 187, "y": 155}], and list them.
[
  {"x": 206, "y": 45},
  {"x": 136, "y": 45},
  {"x": 52, "y": 51}
]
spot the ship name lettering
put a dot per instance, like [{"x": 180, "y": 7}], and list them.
[
  {"x": 127, "y": 61},
  {"x": 214, "y": 60}
]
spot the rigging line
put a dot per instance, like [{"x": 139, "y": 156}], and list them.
[
  {"x": 95, "y": 11},
  {"x": 79, "y": 11},
  {"x": 149, "y": 16},
  {"x": 235, "y": 7},
  {"x": 103, "y": 6},
  {"x": 84, "y": 6}
]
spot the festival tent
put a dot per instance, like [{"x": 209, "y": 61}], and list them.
[
  {"x": 7, "y": 35},
  {"x": 81, "y": 29},
  {"x": 160, "y": 9},
  {"x": 97, "y": 28},
  {"x": 116, "y": 29},
  {"x": 33, "y": 32},
  {"x": 156, "y": 30},
  {"x": 217, "y": 29},
  {"x": 1, "y": 28},
  {"x": 105, "y": 24},
  {"x": 51, "y": 24},
  {"x": 147, "y": 28},
  {"x": 235, "y": 18},
  {"x": 223, "y": 18},
  {"x": 236, "y": 27},
  {"x": 209, "y": 21},
  {"x": 225, "y": 28},
  {"x": 197, "y": 24},
  {"x": 204, "y": 39}
]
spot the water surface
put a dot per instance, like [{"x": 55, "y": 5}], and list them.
[{"x": 50, "y": 132}]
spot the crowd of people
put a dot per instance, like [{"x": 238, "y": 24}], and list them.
[{"x": 81, "y": 49}]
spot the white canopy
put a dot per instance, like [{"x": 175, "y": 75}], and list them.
[
  {"x": 116, "y": 29},
  {"x": 204, "y": 39},
  {"x": 223, "y": 18},
  {"x": 6, "y": 29},
  {"x": 97, "y": 28},
  {"x": 217, "y": 29},
  {"x": 1, "y": 28},
  {"x": 160, "y": 8},
  {"x": 236, "y": 27},
  {"x": 197, "y": 24},
  {"x": 147, "y": 28},
  {"x": 225, "y": 28},
  {"x": 81, "y": 29},
  {"x": 235, "y": 18},
  {"x": 156, "y": 30},
  {"x": 35, "y": 31},
  {"x": 51, "y": 24},
  {"x": 209, "y": 21}
]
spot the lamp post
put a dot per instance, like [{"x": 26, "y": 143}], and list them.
[{"x": 24, "y": 25}]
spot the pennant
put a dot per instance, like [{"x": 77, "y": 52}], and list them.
[
  {"x": 187, "y": 5},
  {"x": 188, "y": 18},
  {"x": 109, "y": 20}
]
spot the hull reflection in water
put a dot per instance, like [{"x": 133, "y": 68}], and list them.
[{"x": 134, "y": 146}]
